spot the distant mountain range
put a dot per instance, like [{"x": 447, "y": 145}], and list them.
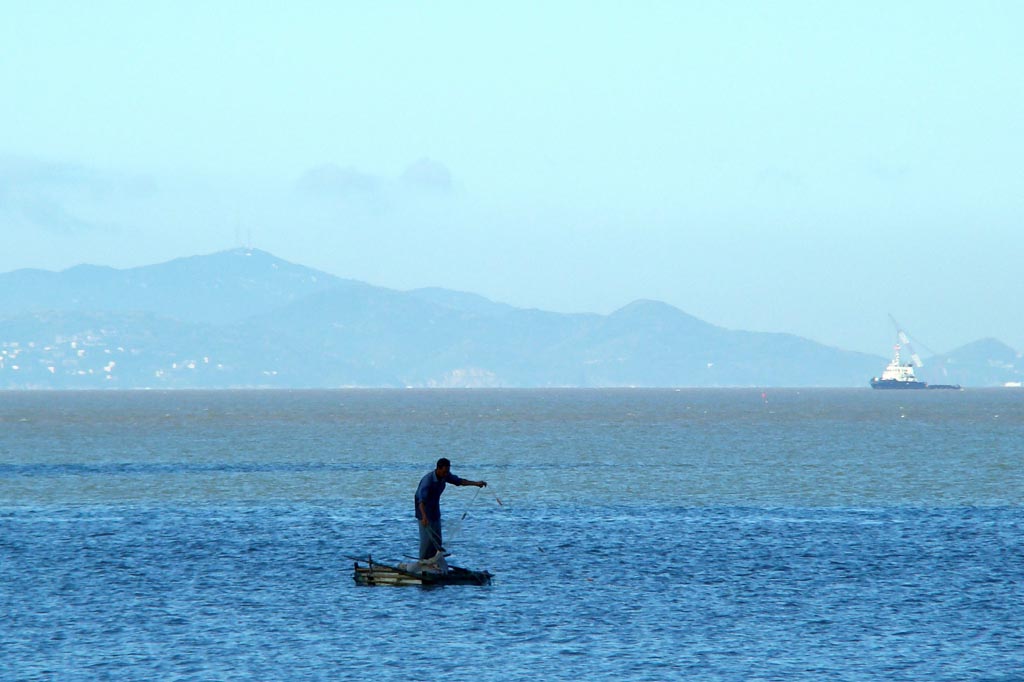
[
  {"x": 244, "y": 318},
  {"x": 986, "y": 362}
]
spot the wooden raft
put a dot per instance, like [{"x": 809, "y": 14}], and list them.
[{"x": 369, "y": 572}]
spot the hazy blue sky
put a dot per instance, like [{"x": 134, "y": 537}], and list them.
[{"x": 806, "y": 167}]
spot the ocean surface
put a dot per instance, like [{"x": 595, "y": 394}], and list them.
[{"x": 633, "y": 534}]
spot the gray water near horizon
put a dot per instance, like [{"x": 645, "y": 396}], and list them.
[{"x": 634, "y": 534}]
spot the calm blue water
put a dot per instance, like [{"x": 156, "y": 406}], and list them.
[{"x": 640, "y": 535}]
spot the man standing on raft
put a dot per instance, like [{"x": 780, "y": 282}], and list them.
[{"x": 428, "y": 505}]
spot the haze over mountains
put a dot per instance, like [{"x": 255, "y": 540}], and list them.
[{"x": 244, "y": 318}]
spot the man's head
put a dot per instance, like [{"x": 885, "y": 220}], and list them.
[{"x": 443, "y": 467}]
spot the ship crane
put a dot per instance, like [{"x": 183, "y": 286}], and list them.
[{"x": 904, "y": 342}]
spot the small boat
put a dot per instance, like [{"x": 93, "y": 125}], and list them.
[{"x": 426, "y": 573}]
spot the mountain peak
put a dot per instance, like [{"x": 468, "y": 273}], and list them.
[
  {"x": 647, "y": 309},
  {"x": 988, "y": 347},
  {"x": 215, "y": 288},
  {"x": 240, "y": 256}
]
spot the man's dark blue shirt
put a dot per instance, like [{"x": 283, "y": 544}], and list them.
[{"x": 429, "y": 493}]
